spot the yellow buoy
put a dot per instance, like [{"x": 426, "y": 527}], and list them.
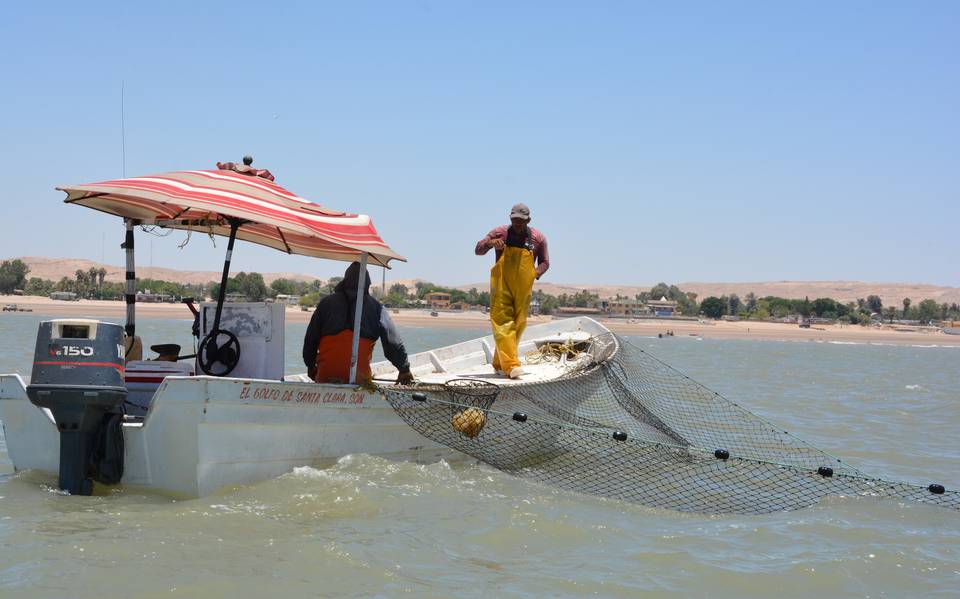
[{"x": 469, "y": 422}]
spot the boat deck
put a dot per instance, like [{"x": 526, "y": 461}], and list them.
[{"x": 532, "y": 373}]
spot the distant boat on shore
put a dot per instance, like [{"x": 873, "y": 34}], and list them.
[{"x": 953, "y": 328}]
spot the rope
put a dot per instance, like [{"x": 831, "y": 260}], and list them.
[{"x": 554, "y": 352}]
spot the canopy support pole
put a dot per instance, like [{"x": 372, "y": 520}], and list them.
[
  {"x": 234, "y": 225},
  {"x": 357, "y": 313},
  {"x": 131, "y": 296}
]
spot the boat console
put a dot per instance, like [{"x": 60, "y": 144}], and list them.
[{"x": 258, "y": 328}]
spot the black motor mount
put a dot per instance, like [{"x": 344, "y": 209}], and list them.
[{"x": 78, "y": 374}]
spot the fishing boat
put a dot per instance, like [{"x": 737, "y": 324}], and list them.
[
  {"x": 227, "y": 415},
  {"x": 202, "y": 433}
]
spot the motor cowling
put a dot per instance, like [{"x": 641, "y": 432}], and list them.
[{"x": 78, "y": 369}]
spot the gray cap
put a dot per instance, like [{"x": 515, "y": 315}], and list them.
[{"x": 520, "y": 211}]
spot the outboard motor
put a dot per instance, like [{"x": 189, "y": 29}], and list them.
[{"x": 78, "y": 368}]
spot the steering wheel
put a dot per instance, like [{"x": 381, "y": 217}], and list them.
[{"x": 211, "y": 352}]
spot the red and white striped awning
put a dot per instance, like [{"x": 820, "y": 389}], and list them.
[{"x": 203, "y": 201}]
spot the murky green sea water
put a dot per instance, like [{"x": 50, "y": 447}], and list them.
[{"x": 369, "y": 527}]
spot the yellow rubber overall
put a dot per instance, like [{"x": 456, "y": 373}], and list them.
[{"x": 511, "y": 285}]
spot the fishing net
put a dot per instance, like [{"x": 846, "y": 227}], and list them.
[{"x": 621, "y": 424}]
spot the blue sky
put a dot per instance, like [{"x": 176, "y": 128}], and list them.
[{"x": 653, "y": 141}]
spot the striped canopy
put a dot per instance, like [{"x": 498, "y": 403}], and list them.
[{"x": 204, "y": 201}]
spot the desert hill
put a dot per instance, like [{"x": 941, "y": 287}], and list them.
[
  {"x": 54, "y": 269},
  {"x": 892, "y": 294}
]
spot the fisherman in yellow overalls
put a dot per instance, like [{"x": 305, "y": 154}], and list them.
[{"x": 517, "y": 246}]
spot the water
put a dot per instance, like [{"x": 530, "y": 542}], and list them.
[{"x": 372, "y": 527}]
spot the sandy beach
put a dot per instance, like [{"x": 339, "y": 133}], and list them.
[{"x": 761, "y": 331}]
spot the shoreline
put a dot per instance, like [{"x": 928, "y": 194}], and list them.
[{"x": 749, "y": 330}]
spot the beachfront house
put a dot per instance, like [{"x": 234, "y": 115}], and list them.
[
  {"x": 663, "y": 307},
  {"x": 437, "y": 300},
  {"x": 624, "y": 307}
]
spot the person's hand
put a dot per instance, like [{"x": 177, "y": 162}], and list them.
[
  {"x": 405, "y": 378},
  {"x": 312, "y": 373},
  {"x": 498, "y": 244}
]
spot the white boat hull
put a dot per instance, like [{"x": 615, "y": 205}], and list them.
[{"x": 202, "y": 434}]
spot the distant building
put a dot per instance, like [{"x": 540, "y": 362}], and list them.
[
  {"x": 625, "y": 307},
  {"x": 461, "y": 305},
  {"x": 153, "y": 298},
  {"x": 575, "y": 310},
  {"x": 290, "y": 300},
  {"x": 534, "y": 309},
  {"x": 66, "y": 296},
  {"x": 235, "y": 297},
  {"x": 438, "y": 300},
  {"x": 663, "y": 307}
]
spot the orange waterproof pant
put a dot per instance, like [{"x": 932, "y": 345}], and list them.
[{"x": 333, "y": 358}]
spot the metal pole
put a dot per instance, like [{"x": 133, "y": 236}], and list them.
[
  {"x": 358, "y": 311},
  {"x": 131, "y": 296},
  {"x": 234, "y": 225}
]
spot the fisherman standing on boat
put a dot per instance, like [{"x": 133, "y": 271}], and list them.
[
  {"x": 511, "y": 283},
  {"x": 328, "y": 343}
]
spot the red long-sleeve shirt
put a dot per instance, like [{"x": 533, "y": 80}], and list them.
[{"x": 539, "y": 246}]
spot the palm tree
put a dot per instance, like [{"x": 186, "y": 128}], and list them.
[
  {"x": 906, "y": 306},
  {"x": 81, "y": 281},
  {"x": 101, "y": 275},
  {"x": 92, "y": 278}
]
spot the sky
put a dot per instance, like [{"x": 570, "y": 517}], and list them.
[{"x": 653, "y": 141}]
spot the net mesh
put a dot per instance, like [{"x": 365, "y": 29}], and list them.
[{"x": 621, "y": 424}]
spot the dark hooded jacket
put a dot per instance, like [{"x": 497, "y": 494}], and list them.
[{"x": 335, "y": 314}]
